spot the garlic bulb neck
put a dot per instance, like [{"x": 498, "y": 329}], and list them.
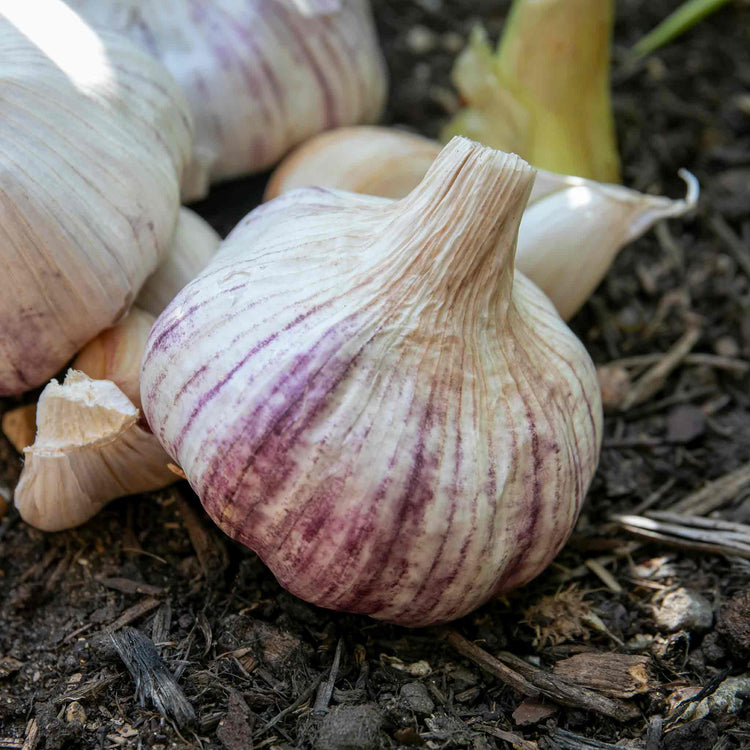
[{"x": 468, "y": 209}]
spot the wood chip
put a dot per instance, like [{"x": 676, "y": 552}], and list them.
[
  {"x": 515, "y": 740},
  {"x": 133, "y": 613},
  {"x": 715, "y": 494},
  {"x": 32, "y": 735},
  {"x": 653, "y": 379},
  {"x": 530, "y": 712},
  {"x": 616, "y": 675},
  {"x": 130, "y": 587}
]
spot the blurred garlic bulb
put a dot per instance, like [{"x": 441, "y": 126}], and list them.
[
  {"x": 93, "y": 138},
  {"x": 365, "y": 159},
  {"x": 571, "y": 230},
  {"x": 364, "y": 393},
  {"x": 261, "y": 75},
  {"x": 90, "y": 448},
  {"x": 19, "y": 426},
  {"x": 544, "y": 93},
  {"x": 195, "y": 242}
]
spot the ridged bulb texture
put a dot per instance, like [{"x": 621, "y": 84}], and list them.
[
  {"x": 364, "y": 393},
  {"x": 571, "y": 231},
  {"x": 93, "y": 138},
  {"x": 261, "y": 75}
]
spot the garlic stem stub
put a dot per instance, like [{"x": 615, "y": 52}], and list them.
[
  {"x": 89, "y": 449},
  {"x": 261, "y": 75},
  {"x": 194, "y": 243},
  {"x": 571, "y": 230},
  {"x": 363, "y": 392},
  {"x": 93, "y": 138}
]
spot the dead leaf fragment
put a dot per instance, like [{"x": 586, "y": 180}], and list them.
[{"x": 616, "y": 675}]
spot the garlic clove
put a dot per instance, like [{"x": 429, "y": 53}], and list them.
[
  {"x": 94, "y": 134},
  {"x": 195, "y": 242},
  {"x": 364, "y": 159},
  {"x": 261, "y": 75},
  {"x": 570, "y": 237},
  {"x": 364, "y": 393},
  {"x": 89, "y": 449},
  {"x": 115, "y": 354},
  {"x": 545, "y": 92},
  {"x": 19, "y": 426}
]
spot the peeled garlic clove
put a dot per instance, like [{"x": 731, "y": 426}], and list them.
[
  {"x": 89, "y": 449},
  {"x": 368, "y": 160},
  {"x": 569, "y": 238},
  {"x": 545, "y": 92},
  {"x": 115, "y": 354},
  {"x": 19, "y": 426},
  {"x": 362, "y": 392},
  {"x": 261, "y": 75},
  {"x": 93, "y": 135},
  {"x": 195, "y": 242}
]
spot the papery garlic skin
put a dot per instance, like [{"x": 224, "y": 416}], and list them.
[
  {"x": 261, "y": 75},
  {"x": 362, "y": 392},
  {"x": 368, "y": 160},
  {"x": 195, "y": 242},
  {"x": 571, "y": 231},
  {"x": 89, "y": 449},
  {"x": 115, "y": 354},
  {"x": 93, "y": 137}
]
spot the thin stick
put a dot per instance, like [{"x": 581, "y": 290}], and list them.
[
  {"x": 714, "y": 494},
  {"x": 326, "y": 688},
  {"x": 653, "y": 379}
]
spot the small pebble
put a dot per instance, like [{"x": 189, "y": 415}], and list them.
[
  {"x": 350, "y": 728},
  {"x": 420, "y": 40},
  {"x": 75, "y": 712},
  {"x": 684, "y": 610},
  {"x": 615, "y": 384},
  {"x": 416, "y": 697},
  {"x": 726, "y": 346},
  {"x": 452, "y": 42}
]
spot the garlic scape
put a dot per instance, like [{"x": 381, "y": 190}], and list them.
[
  {"x": 571, "y": 230},
  {"x": 364, "y": 393},
  {"x": 93, "y": 137},
  {"x": 90, "y": 448},
  {"x": 261, "y": 75},
  {"x": 545, "y": 92},
  {"x": 194, "y": 243}
]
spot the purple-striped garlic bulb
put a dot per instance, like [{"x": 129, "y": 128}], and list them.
[
  {"x": 261, "y": 75},
  {"x": 363, "y": 392}
]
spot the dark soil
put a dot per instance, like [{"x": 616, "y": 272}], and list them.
[{"x": 226, "y": 645}]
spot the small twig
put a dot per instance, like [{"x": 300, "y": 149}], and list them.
[
  {"x": 715, "y": 361},
  {"x": 126, "y": 586},
  {"x": 654, "y": 497},
  {"x": 715, "y": 494},
  {"x": 604, "y": 575},
  {"x": 293, "y": 707},
  {"x": 510, "y": 737},
  {"x": 653, "y": 379},
  {"x": 32, "y": 735},
  {"x": 326, "y": 688}
]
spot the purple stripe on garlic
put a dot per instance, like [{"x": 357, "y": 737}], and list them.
[{"x": 364, "y": 393}]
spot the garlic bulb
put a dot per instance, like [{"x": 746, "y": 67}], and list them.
[
  {"x": 195, "y": 242},
  {"x": 261, "y": 75},
  {"x": 89, "y": 449},
  {"x": 362, "y": 391},
  {"x": 93, "y": 136},
  {"x": 369, "y": 160},
  {"x": 115, "y": 354},
  {"x": 545, "y": 92},
  {"x": 571, "y": 230}
]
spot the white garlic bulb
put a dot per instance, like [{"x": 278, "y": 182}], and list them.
[
  {"x": 261, "y": 75},
  {"x": 90, "y": 448},
  {"x": 93, "y": 137},
  {"x": 571, "y": 231},
  {"x": 194, "y": 243},
  {"x": 364, "y": 393}
]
